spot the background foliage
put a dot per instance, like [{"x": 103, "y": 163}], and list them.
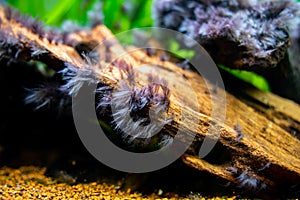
[{"x": 119, "y": 15}]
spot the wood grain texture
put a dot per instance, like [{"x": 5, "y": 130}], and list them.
[{"x": 267, "y": 152}]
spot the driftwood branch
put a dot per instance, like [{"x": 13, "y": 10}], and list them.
[{"x": 257, "y": 148}]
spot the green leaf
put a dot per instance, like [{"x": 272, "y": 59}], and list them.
[
  {"x": 142, "y": 16},
  {"x": 34, "y": 8},
  {"x": 59, "y": 10},
  {"x": 249, "y": 77},
  {"x": 182, "y": 53},
  {"x": 114, "y": 17}
]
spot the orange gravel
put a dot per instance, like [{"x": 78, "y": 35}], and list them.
[{"x": 31, "y": 183}]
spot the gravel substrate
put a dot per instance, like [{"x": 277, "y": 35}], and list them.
[{"x": 31, "y": 183}]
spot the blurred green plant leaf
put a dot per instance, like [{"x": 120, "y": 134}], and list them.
[
  {"x": 249, "y": 77},
  {"x": 122, "y": 15},
  {"x": 55, "y": 12},
  {"x": 183, "y": 53},
  {"x": 142, "y": 17}
]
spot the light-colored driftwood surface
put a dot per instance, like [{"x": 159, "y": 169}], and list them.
[{"x": 268, "y": 150}]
